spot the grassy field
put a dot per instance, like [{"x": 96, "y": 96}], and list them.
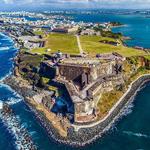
[
  {"x": 107, "y": 101},
  {"x": 147, "y": 57},
  {"x": 40, "y": 32},
  {"x": 64, "y": 42},
  {"x": 92, "y": 45},
  {"x": 67, "y": 43}
]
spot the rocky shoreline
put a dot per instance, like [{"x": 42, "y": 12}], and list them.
[
  {"x": 83, "y": 136},
  {"x": 22, "y": 138}
]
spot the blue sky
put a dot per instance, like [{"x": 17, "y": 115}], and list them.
[{"x": 75, "y": 4}]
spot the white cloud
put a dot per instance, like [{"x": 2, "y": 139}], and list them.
[
  {"x": 96, "y": 3},
  {"x": 8, "y": 1},
  {"x": 18, "y": 1}
]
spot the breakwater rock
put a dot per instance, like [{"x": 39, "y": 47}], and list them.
[
  {"x": 21, "y": 136},
  {"x": 84, "y": 134}
]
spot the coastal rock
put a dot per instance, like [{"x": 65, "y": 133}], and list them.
[{"x": 85, "y": 134}]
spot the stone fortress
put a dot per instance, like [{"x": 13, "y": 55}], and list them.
[{"x": 86, "y": 79}]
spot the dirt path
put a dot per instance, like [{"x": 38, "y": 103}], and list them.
[{"x": 79, "y": 44}]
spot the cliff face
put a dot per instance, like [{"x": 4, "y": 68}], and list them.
[{"x": 144, "y": 62}]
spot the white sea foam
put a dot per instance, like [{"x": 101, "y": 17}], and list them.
[
  {"x": 10, "y": 89},
  {"x": 27, "y": 110},
  {"x": 18, "y": 132},
  {"x": 32, "y": 133},
  {"x": 24, "y": 125},
  {"x": 5, "y": 48},
  {"x": 136, "y": 134},
  {"x": 13, "y": 101},
  {"x": 127, "y": 109},
  {"x": 5, "y": 37},
  {"x": 1, "y": 105},
  {"x": 9, "y": 73}
]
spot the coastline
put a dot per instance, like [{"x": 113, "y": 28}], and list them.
[
  {"x": 77, "y": 136},
  {"x": 19, "y": 134},
  {"x": 16, "y": 45},
  {"x": 128, "y": 130},
  {"x": 83, "y": 135}
]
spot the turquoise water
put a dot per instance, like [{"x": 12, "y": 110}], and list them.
[
  {"x": 132, "y": 132},
  {"x": 136, "y": 26}
]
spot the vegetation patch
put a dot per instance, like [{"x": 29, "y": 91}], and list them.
[
  {"x": 66, "y": 43},
  {"x": 110, "y": 34},
  {"x": 108, "y": 100},
  {"x": 29, "y": 67},
  {"x": 30, "y": 60},
  {"x": 93, "y": 46}
]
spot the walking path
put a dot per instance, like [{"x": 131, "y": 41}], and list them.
[
  {"x": 77, "y": 127},
  {"x": 79, "y": 44}
]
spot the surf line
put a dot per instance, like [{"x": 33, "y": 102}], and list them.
[{"x": 21, "y": 136}]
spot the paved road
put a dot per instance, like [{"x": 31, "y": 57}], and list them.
[{"x": 79, "y": 44}]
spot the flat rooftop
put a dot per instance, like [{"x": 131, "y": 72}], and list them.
[
  {"x": 82, "y": 61},
  {"x": 30, "y": 38}
]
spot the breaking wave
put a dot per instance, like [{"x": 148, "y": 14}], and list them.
[
  {"x": 4, "y": 48},
  {"x": 22, "y": 139},
  {"x": 5, "y": 37},
  {"x": 127, "y": 109},
  {"x": 16, "y": 98},
  {"x": 136, "y": 134},
  {"x": 13, "y": 101},
  {"x": 7, "y": 75}
]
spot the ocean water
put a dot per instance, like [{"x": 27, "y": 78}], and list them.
[
  {"x": 26, "y": 118},
  {"x": 132, "y": 132},
  {"x": 136, "y": 26}
]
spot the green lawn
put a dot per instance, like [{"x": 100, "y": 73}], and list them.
[
  {"x": 67, "y": 43},
  {"x": 40, "y": 32},
  {"x": 147, "y": 57},
  {"x": 64, "y": 42},
  {"x": 92, "y": 45}
]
